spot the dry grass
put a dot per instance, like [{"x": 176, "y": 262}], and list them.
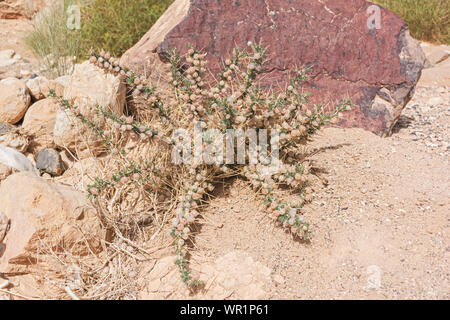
[
  {"x": 112, "y": 25},
  {"x": 52, "y": 41}
]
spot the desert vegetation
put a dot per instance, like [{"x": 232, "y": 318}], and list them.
[
  {"x": 103, "y": 26},
  {"x": 129, "y": 175},
  {"x": 234, "y": 101},
  {"x": 104, "y": 22}
]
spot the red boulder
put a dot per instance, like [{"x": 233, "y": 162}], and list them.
[{"x": 355, "y": 49}]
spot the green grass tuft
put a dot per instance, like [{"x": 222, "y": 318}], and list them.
[
  {"x": 428, "y": 20},
  {"x": 112, "y": 25},
  {"x": 116, "y": 25}
]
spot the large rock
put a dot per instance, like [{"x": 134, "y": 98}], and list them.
[
  {"x": 39, "y": 122},
  {"x": 14, "y": 100},
  {"x": 71, "y": 134},
  {"x": 45, "y": 217},
  {"x": 36, "y": 86},
  {"x": 57, "y": 85},
  {"x": 377, "y": 68},
  {"x": 88, "y": 87}
]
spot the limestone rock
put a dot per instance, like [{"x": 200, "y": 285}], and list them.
[
  {"x": 14, "y": 159},
  {"x": 11, "y": 136},
  {"x": 45, "y": 216},
  {"x": 53, "y": 85},
  {"x": 39, "y": 122},
  {"x": 8, "y": 57},
  {"x": 88, "y": 87},
  {"x": 36, "y": 86},
  {"x": 69, "y": 132},
  {"x": 436, "y": 57},
  {"x": 377, "y": 68},
  {"x": 14, "y": 100}
]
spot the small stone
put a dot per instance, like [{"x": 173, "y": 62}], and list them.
[
  {"x": 45, "y": 175},
  {"x": 67, "y": 159},
  {"x": 14, "y": 139},
  {"x": 5, "y": 171},
  {"x": 25, "y": 73},
  {"x": 39, "y": 122},
  {"x": 278, "y": 279},
  {"x": 36, "y": 85},
  {"x": 49, "y": 161},
  {"x": 8, "y": 57},
  {"x": 435, "y": 101},
  {"x": 436, "y": 57}
]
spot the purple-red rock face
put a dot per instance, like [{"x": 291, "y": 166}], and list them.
[{"x": 377, "y": 68}]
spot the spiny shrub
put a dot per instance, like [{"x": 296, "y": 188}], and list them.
[{"x": 159, "y": 185}]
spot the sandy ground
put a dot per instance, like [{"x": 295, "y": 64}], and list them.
[
  {"x": 380, "y": 231},
  {"x": 380, "y": 220},
  {"x": 12, "y": 33},
  {"x": 380, "y": 224}
]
